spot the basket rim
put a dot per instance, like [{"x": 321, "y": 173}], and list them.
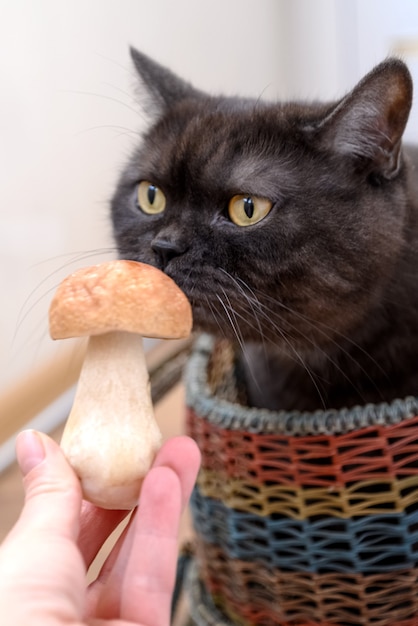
[{"x": 233, "y": 416}]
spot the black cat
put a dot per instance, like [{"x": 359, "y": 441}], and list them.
[{"x": 292, "y": 228}]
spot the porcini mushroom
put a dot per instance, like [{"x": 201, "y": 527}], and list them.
[{"x": 111, "y": 436}]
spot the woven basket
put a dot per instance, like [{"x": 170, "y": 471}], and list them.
[{"x": 301, "y": 518}]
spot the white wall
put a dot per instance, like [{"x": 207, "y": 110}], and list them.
[
  {"x": 388, "y": 27},
  {"x": 328, "y": 45},
  {"x": 68, "y": 118},
  {"x": 319, "y": 48}
]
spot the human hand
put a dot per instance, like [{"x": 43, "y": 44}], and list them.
[{"x": 44, "y": 558}]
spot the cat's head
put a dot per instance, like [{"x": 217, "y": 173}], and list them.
[{"x": 280, "y": 221}]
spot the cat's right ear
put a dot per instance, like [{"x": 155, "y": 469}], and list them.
[{"x": 162, "y": 86}]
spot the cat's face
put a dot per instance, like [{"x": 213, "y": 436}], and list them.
[{"x": 275, "y": 227}]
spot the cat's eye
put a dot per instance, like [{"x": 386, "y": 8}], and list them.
[
  {"x": 248, "y": 210},
  {"x": 151, "y": 200}
]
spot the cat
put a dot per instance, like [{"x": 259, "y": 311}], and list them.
[{"x": 292, "y": 227}]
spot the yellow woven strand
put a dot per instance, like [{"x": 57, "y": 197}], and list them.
[{"x": 361, "y": 499}]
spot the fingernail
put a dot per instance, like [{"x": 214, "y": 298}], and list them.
[{"x": 30, "y": 450}]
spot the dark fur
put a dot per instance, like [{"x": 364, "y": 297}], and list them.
[{"x": 321, "y": 295}]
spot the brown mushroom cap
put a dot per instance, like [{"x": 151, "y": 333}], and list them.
[{"x": 119, "y": 295}]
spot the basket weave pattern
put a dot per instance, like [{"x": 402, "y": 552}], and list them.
[{"x": 302, "y": 519}]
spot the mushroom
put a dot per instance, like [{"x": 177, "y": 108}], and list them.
[{"x": 111, "y": 437}]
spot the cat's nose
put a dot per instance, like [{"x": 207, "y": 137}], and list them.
[{"x": 167, "y": 250}]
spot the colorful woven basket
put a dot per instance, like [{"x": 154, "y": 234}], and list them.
[{"x": 301, "y": 518}]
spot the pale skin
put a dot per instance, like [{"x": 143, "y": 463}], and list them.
[{"x": 43, "y": 560}]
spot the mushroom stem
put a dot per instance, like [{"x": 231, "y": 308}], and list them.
[{"x": 111, "y": 436}]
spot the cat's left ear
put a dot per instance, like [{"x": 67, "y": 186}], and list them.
[
  {"x": 163, "y": 87},
  {"x": 369, "y": 122}
]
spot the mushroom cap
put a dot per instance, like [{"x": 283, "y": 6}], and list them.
[{"x": 119, "y": 295}]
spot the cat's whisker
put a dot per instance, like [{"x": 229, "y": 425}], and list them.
[
  {"x": 134, "y": 106},
  {"x": 123, "y": 91},
  {"x": 297, "y": 358},
  {"x": 251, "y": 300},
  {"x": 215, "y": 316},
  {"x": 236, "y": 315},
  {"x": 126, "y": 131},
  {"x": 294, "y": 354},
  {"x": 321, "y": 327},
  {"x": 23, "y": 317},
  {"x": 104, "y": 97},
  {"x": 33, "y": 342},
  {"x": 75, "y": 258},
  {"x": 232, "y": 322},
  {"x": 270, "y": 312},
  {"x": 319, "y": 350},
  {"x": 126, "y": 68}
]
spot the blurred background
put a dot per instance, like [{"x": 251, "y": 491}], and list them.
[{"x": 69, "y": 115}]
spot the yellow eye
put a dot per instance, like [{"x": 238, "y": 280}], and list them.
[
  {"x": 248, "y": 210},
  {"x": 150, "y": 198}
]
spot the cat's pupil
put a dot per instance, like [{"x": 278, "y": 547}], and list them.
[
  {"x": 248, "y": 207},
  {"x": 152, "y": 192}
]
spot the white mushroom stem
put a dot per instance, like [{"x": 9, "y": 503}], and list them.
[{"x": 111, "y": 436}]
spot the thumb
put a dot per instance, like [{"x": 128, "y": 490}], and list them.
[
  {"x": 41, "y": 570},
  {"x": 52, "y": 490}
]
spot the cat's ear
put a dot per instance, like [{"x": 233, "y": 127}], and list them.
[
  {"x": 162, "y": 86},
  {"x": 369, "y": 122}
]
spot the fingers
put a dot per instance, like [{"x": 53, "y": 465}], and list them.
[
  {"x": 41, "y": 569},
  {"x": 179, "y": 453},
  {"x": 183, "y": 456},
  {"x": 140, "y": 585},
  {"x": 150, "y": 552}
]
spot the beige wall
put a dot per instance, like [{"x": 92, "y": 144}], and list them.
[{"x": 67, "y": 119}]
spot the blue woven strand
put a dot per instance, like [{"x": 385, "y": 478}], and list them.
[{"x": 369, "y": 545}]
